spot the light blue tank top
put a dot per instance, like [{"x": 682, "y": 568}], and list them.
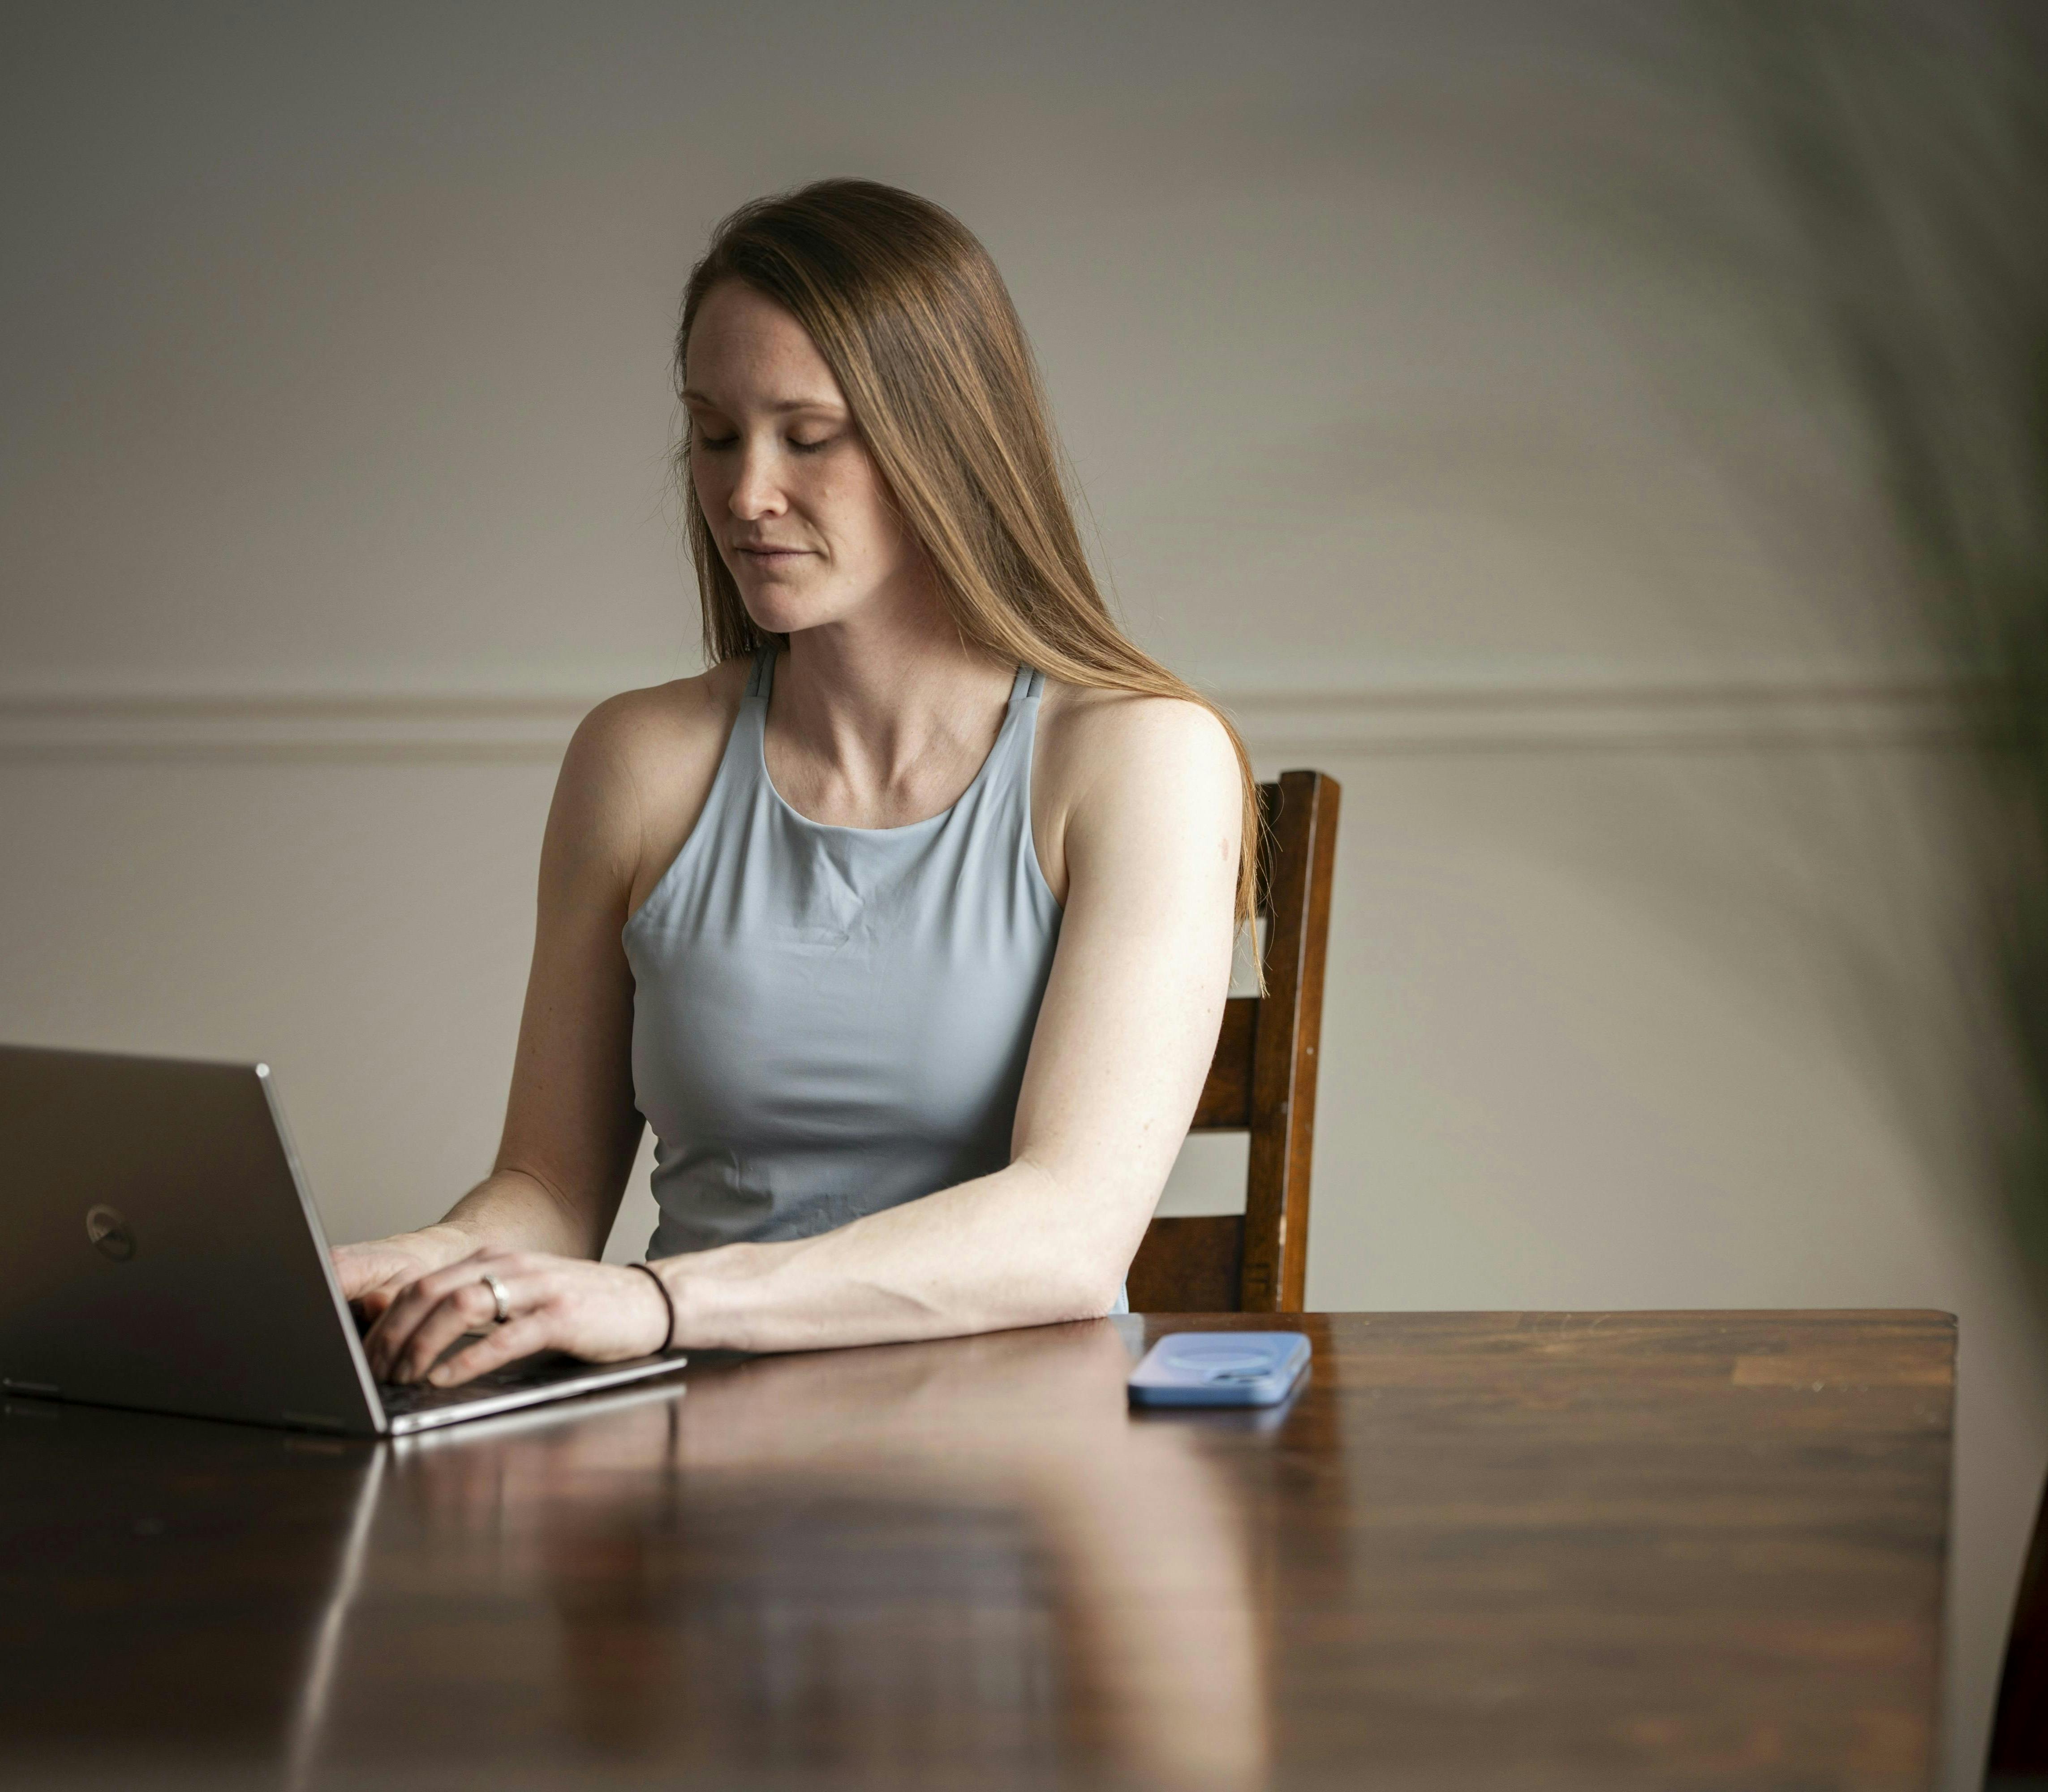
[{"x": 828, "y": 1022}]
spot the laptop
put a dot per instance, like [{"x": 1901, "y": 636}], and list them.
[{"x": 158, "y": 1250}]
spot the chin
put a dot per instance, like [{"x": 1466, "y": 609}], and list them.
[
  {"x": 783, "y": 619},
  {"x": 777, "y": 610}
]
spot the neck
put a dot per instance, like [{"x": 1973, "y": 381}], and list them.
[{"x": 875, "y": 695}]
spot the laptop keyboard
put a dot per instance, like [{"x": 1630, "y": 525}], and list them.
[{"x": 538, "y": 1370}]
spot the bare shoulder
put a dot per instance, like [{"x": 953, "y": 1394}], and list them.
[
  {"x": 639, "y": 768},
  {"x": 686, "y": 716},
  {"x": 1123, "y": 744},
  {"x": 1121, "y": 766}
]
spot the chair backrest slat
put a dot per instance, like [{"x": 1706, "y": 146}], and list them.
[
  {"x": 1226, "y": 1103},
  {"x": 1261, "y": 1080}
]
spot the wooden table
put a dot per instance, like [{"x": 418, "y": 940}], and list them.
[{"x": 1533, "y": 1550}]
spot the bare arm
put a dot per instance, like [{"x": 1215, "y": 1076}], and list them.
[{"x": 570, "y": 1129}]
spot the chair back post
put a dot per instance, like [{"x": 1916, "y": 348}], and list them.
[
  {"x": 1262, "y": 1081},
  {"x": 1301, "y": 831}
]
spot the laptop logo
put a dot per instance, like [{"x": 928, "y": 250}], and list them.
[{"x": 111, "y": 1235}]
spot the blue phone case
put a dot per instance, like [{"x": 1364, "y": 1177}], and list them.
[{"x": 1220, "y": 1369}]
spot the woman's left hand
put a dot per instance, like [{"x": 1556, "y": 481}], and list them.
[{"x": 603, "y": 1313}]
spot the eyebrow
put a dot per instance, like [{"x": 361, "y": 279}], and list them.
[{"x": 691, "y": 395}]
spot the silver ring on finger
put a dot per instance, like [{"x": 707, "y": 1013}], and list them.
[{"x": 498, "y": 1294}]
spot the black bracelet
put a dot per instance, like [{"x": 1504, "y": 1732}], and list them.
[{"x": 668, "y": 1301}]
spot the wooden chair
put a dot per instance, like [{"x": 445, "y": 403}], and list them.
[{"x": 1263, "y": 1081}]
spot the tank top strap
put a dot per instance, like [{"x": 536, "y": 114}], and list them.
[
  {"x": 763, "y": 677},
  {"x": 1028, "y": 687}
]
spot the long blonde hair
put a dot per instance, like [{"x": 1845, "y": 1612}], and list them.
[{"x": 910, "y": 313}]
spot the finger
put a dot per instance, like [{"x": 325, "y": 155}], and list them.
[
  {"x": 470, "y": 1307},
  {"x": 360, "y": 1268},
  {"x": 370, "y": 1294},
  {"x": 502, "y": 1344},
  {"x": 390, "y": 1328},
  {"x": 411, "y": 1304}
]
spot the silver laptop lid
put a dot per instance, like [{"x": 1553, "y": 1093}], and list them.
[{"x": 158, "y": 1248}]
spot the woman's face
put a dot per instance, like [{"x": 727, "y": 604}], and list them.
[{"x": 794, "y": 500}]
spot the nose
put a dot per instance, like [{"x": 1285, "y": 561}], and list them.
[{"x": 756, "y": 491}]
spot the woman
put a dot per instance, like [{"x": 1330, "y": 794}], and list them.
[{"x": 908, "y": 925}]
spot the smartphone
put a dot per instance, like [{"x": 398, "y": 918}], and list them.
[{"x": 1220, "y": 1369}]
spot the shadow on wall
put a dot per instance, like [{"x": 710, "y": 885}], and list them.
[{"x": 1908, "y": 145}]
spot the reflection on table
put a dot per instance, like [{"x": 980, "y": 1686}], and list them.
[
  {"x": 967, "y": 1552},
  {"x": 1582, "y": 1551}
]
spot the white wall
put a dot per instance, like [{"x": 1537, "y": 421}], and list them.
[{"x": 1417, "y": 416}]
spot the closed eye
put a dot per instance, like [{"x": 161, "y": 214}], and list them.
[{"x": 796, "y": 446}]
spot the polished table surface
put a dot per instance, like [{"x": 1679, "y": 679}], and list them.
[{"x": 1534, "y": 1550}]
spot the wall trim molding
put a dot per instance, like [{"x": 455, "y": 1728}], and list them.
[
  {"x": 512, "y": 725},
  {"x": 1535, "y": 715}
]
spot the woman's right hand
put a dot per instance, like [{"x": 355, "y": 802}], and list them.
[{"x": 374, "y": 1273}]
